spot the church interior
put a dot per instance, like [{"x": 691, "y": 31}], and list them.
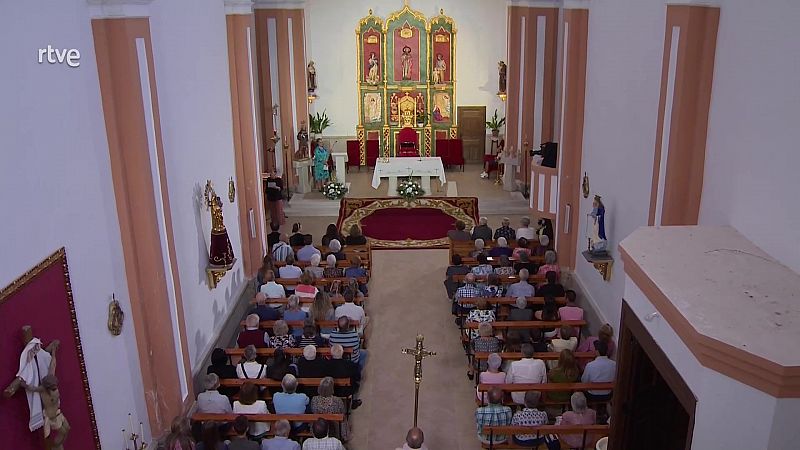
[{"x": 400, "y": 224}]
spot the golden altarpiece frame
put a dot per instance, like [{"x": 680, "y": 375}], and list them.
[{"x": 406, "y": 76}]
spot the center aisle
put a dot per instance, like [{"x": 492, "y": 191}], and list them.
[{"x": 407, "y": 297}]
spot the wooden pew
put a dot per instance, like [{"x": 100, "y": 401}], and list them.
[
  {"x": 532, "y": 279},
  {"x": 307, "y": 301},
  {"x": 561, "y": 301},
  {"x": 542, "y": 387},
  {"x": 298, "y": 351},
  {"x": 495, "y": 260},
  {"x": 548, "y": 356},
  {"x": 526, "y": 324},
  {"x": 590, "y": 433},
  {"x": 266, "y": 382},
  {"x": 292, "y": 282},
  {"x": 305, "y": 418},
  {"x": 268, "y": 324}
]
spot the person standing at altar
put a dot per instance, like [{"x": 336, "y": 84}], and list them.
[
  {"x": 321, "y": 156},
  {"x": 274, "y": 195}
]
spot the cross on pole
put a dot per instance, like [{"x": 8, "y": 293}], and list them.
[{"x": 418, "y": 352}]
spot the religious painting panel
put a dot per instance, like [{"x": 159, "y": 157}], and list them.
[
  {"x": 442, "y": 108},
  {"x": 42, "y": 299},
  {"x": 373, "y": 109},
  {"x": 407, "y": 47}
]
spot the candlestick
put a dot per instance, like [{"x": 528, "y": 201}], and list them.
[
  {"x": 141, "y": 431},
  {"x": 124, "y": 439}
]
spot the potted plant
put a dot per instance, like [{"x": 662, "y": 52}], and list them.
[
  {"x": 318, "y": 123},
  {"x": 334, "y": 190},
  {"x": 495, "y": 124}
]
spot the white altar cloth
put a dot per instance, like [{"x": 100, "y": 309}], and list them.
[{"x": 425, "y": 167}]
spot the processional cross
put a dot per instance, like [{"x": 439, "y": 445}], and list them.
[{"x": 418, "y": 352}]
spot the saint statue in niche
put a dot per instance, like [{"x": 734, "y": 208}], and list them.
[
  {"x": 374, "y": 75},
  {"x": 439, "y": 69},
  {"x": 405, "y": 61},
  {"x": 502, "y": 71},
  {"x": 312, "y": 77}
]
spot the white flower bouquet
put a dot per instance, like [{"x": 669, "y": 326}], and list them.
[
  {"x": 409, "y": 189},
  {"x": 333, "y": 190}
]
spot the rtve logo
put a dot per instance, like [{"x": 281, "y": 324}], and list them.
[{"x": 72, "y": 57}]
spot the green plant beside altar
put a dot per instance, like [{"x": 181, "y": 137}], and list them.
[
  {"x": 333, "y": 190},
  {"x": 495, "y": 123},
  {"x": 409, "y": 189},
  {"x": 317, "y": 123}
]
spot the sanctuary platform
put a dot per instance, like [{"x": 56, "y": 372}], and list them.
[{"x": 399, "y": 223}]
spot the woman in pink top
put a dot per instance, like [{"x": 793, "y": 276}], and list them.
[
  {"x": 522, "y": 247},
  {"x": 306, "y": 288},
  {"x": 492, "y": 376},
  {"x": 571, "y": 311},
  {"x": 606, "y": 333},
  {"x": 580, "y": 415},
  {"x": 549, "y": 264}
]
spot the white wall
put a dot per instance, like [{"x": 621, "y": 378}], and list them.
[
  {"x": 722, "y": 420},
  {"x": 56, "y": 183},
  {"x": 625, "y": 45},
  {"x": 751, "y": 156},
  {"x": 191, "y": 66},
  {"x": 331, "y": 43}
]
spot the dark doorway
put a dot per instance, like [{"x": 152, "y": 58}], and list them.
[{"x": 653, "y": 407}]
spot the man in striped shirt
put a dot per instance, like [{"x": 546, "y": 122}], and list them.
[{"x": 348, "y": 337}]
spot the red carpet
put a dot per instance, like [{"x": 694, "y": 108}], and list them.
[{"x": 395, "y": 223}]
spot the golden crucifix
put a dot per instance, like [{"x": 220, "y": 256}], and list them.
[{"x": 418, "y": 352}]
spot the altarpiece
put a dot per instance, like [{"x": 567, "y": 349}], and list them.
[{"x": 406, "y": 82}]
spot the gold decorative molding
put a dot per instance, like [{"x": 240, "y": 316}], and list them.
[
  {"x": 215, "y": 274},
  {"x": 362, "y": 145},
  {"x": 601, "y": 263}
]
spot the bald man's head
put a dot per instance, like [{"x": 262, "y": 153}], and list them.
[{"x": 415, "y": 438}]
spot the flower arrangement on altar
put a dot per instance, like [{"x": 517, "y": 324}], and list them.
[
  {"x": 334, "y": 190},
  {"x": 409, "y": 189}
]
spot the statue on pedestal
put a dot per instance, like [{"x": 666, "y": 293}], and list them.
[
  {"x": 302, "y": 141},
  {"x": 221, "y": 251},
  {"x": 312, "y": 78},
  {"x": 597, "y": 238},
  {"x": 502, "y": 72},
  {"x": 439, "y": 69}
]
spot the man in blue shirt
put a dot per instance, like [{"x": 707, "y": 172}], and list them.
[
  {"x": 601, "y": 370},
  {"x": 289, "y": 401},
  {"x": 521, "y": 288}
]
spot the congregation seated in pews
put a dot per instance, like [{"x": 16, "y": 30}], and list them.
[{"x": 539, "y": 382}]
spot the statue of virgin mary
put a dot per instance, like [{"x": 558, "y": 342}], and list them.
[{"x": 597, "y": 238}]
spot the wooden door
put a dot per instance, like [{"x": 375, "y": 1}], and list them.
[
  {"x": 653, "y": 407},
  {"x": 472, "y": 131}
]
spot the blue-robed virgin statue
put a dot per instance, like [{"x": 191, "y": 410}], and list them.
[{"x": 597, "y": 239}]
